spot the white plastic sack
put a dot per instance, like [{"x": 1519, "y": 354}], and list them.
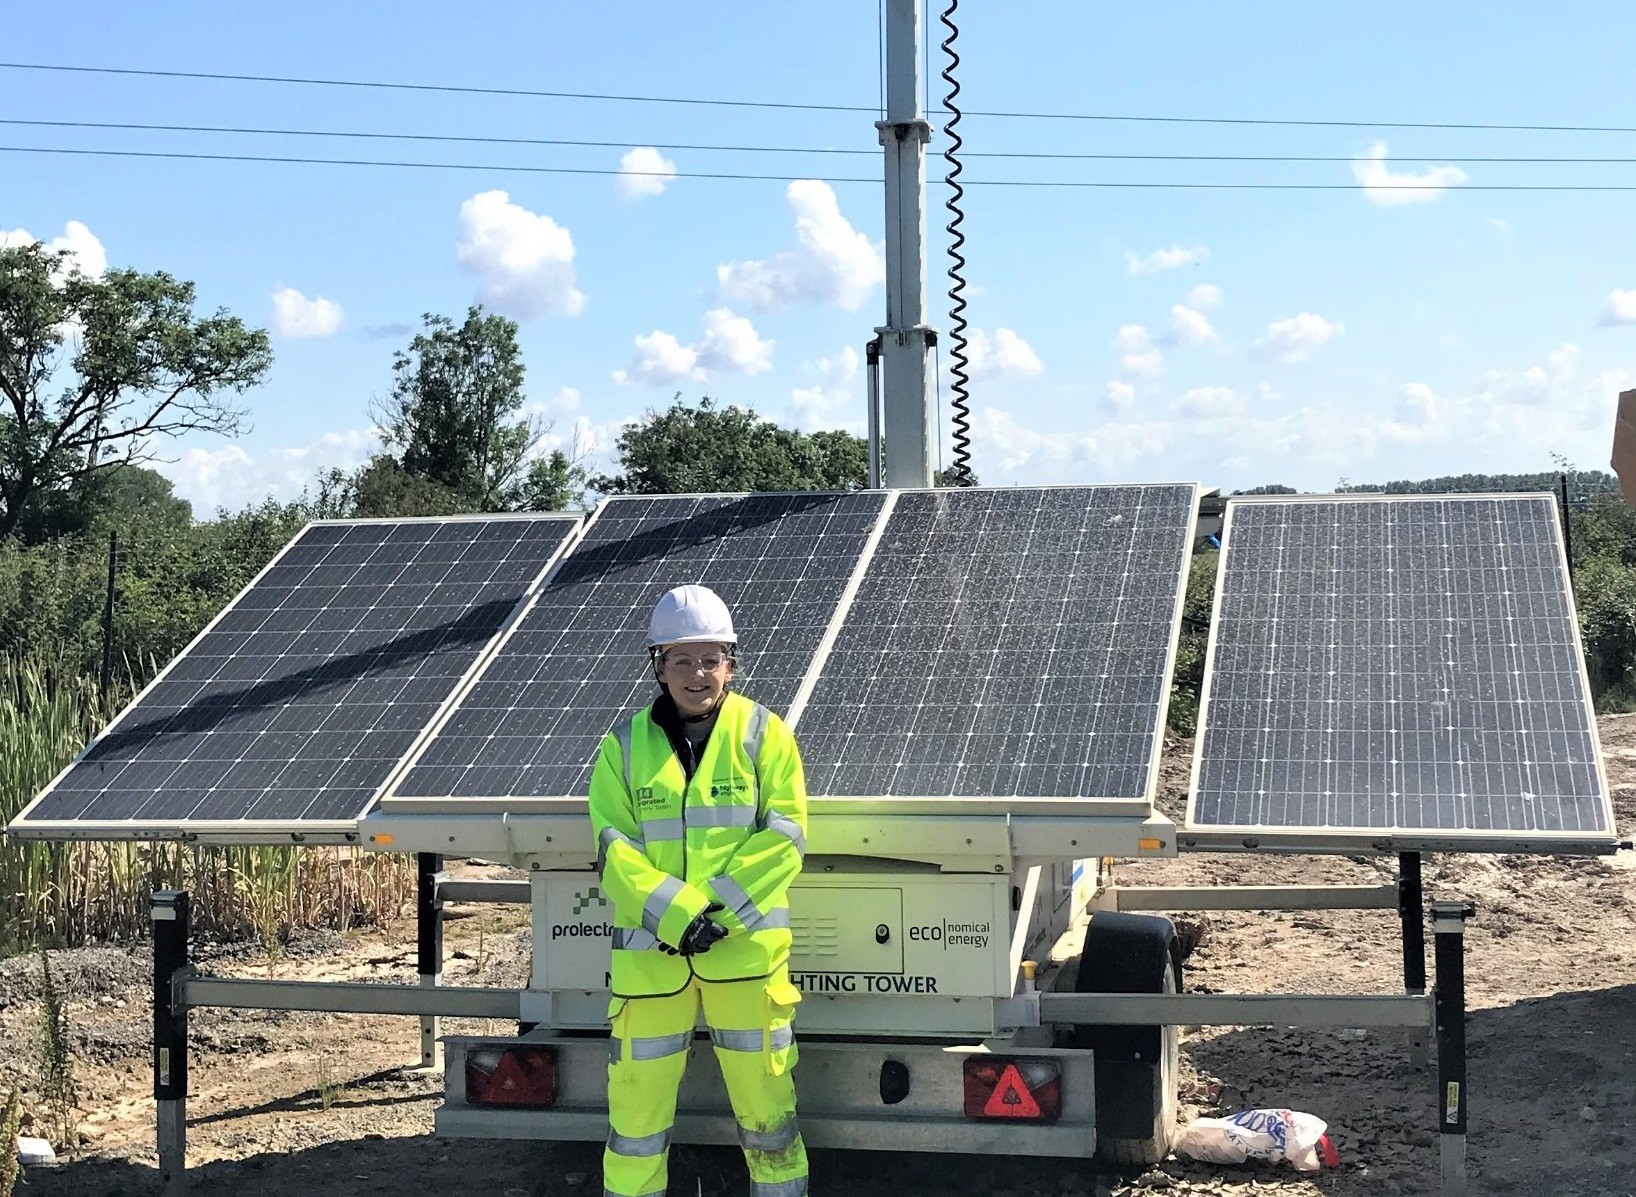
[
  {"x": 34, "y": 1151},
  {"x": 1267, "y": 1135}
]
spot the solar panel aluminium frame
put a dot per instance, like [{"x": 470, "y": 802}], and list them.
[
  {"x": 275, "y": 831},
  {"x": 1347, "y": 840},
  {"x": 391, "y": 803}
]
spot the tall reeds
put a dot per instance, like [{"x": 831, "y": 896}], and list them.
[{"x": 66, "y": 894}]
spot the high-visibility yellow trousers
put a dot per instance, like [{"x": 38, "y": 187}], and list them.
[{"x": 750, "y": 1025}]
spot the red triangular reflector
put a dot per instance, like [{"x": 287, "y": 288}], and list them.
[{"x": 1011, "y": 1098}]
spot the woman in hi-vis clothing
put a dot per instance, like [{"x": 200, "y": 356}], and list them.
[{"x": 700, "y": 811}]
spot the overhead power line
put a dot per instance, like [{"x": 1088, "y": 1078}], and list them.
[
  {"x": 221, "y": 76},
  {"x": 573, "y": 170},
  {"x": 375, "y": 135}
]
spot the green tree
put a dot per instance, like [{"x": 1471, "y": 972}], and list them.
[
  {"x": 688, "y": 449},
  {"x": 453, "y": 418},
  {"x": 96, "y": 372}
]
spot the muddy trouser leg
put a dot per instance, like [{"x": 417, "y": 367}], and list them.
[
  {"x": 751, "y": 1026},
  {"x": 647, "y": 1057}
]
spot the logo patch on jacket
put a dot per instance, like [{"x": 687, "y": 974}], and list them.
[
  {"x": 734, "y": 786},
  {"x": 645, "y": 797}
]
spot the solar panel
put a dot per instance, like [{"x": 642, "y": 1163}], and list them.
[
  {"x": 294, "y": 706},
  {"x": 575, "y": 662},
  {"x": 1398, "y": 665},
  {"x": 1006, "y": 643}
]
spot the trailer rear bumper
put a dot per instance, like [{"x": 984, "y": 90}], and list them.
[{"x": 839, "y": 1099}]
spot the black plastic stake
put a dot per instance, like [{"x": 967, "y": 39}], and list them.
[
  {"x": 1567, "y": 527},
  {"x": 1411, "y": 910},
  {"x": 1449, "y": 1009},
  {"x": 170, "y": 915},
  {"x": 429, "y": 950}
]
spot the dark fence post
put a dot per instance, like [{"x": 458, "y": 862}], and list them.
[
  {"x": 1449, "y": 1008},
  {"x": 169, "y": 914},
  {"x": 429, "y": 954}
]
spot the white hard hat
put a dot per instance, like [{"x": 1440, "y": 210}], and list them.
[{"x": 690, "y": 615}]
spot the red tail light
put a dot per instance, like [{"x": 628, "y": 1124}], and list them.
[
  {"x": 1021, "y": 1090},
  {"x": 513, "y": 1076}
]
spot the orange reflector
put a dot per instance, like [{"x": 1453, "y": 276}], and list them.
[
  {"x": 383, "y": 838},
  {"x": 1018, "y": 1090},
  {"x": 1150, "y": 845}
]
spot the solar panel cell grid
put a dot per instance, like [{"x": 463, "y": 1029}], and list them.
[
  {"x": 1005, "y": 643},
  {"x": 305, "y": 694},
  {"x": 1397, "y": 664}
]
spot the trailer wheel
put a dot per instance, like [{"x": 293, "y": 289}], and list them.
[{"x": 1137, "y": 1068}]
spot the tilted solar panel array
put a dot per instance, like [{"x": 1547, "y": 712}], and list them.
[
  {"x": 297, "y": 703},
  {"x": 575, "y": 663},
  {"x": 1402, "y": 664}
]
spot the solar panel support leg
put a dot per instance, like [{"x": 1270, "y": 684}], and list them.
[
  {"x": 1411, "y": 909},
  {"x": 429, "y": 945},
  {"x": 1449, "y": 1008},
  {"x": 168, "y": 912}
]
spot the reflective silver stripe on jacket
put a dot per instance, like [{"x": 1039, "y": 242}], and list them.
[
  {"x": 754, "y": 732},
  {"x": 659, "y": 901},
  {"x": 634, "y": 939},
  {"x": 786, "y": 827},
  {"x": 769, "y": 1140},
  {"x": 623, "y": 733},
  {"x": 721, "y": 816},
  {"x": 732, "y": 894},
  {"x": 660, "y": 831},
  {"x": 779, "y": 1188},
  {"x": 752, "y": 1041},
  {"x": 609, "y": 837},
  {"x": 639, "y": 1148},
  {"x": 748, "y": 913}
]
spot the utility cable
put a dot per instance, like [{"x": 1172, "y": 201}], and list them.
[
  {"x": 221, "y": 76},
  {"x": 1032, "y": 155},
  {"x": 1092, "y": 184}
]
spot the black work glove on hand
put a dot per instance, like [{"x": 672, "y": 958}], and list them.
[{"x": 702, "y": 932}]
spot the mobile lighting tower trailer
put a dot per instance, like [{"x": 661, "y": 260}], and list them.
[{"x": 959, "y": 995}]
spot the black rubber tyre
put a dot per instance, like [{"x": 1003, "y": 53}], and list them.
[{"x": 1137, "y": 1068}]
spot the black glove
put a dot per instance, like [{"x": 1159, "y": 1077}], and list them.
[{"x": 702, "y": 932}]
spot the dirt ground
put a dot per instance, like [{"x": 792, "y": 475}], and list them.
[{"x": 322, "y": 1105}]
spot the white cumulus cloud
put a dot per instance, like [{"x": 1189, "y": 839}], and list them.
[
  {"x": 832, "y": 261},
  {"x": 1297, "y": 338},
  {"x": 644, "y": 171},
  {"x": 1203, "y": 297},
  {"x": 524, "y": 260},
  {"x": 87, "y": 255},
  {"x": 229, "y": 475},
  {"x": 1165, "y": 259},
  {"x": 730, "y": 345},
  {"x": 1121, "y": 396},
  {"x": 1190, "y": 327},
  {"x": 830, "y": 400},
  {"x": 295, "y": 316},
  {"x": 1620, "y": 308},
  {"x": 1389, "y": 188},
  {"x": 1137, "y": 354},
  {"x": 1004, "y": 355}
]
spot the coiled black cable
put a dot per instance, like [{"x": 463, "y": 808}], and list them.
[{"x": 959, "y": 362}]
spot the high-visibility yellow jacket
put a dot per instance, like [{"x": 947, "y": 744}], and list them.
[{"x": 669, "y": 846}]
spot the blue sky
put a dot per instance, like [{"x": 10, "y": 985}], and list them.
[{"x": 1232, "y": 337}]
